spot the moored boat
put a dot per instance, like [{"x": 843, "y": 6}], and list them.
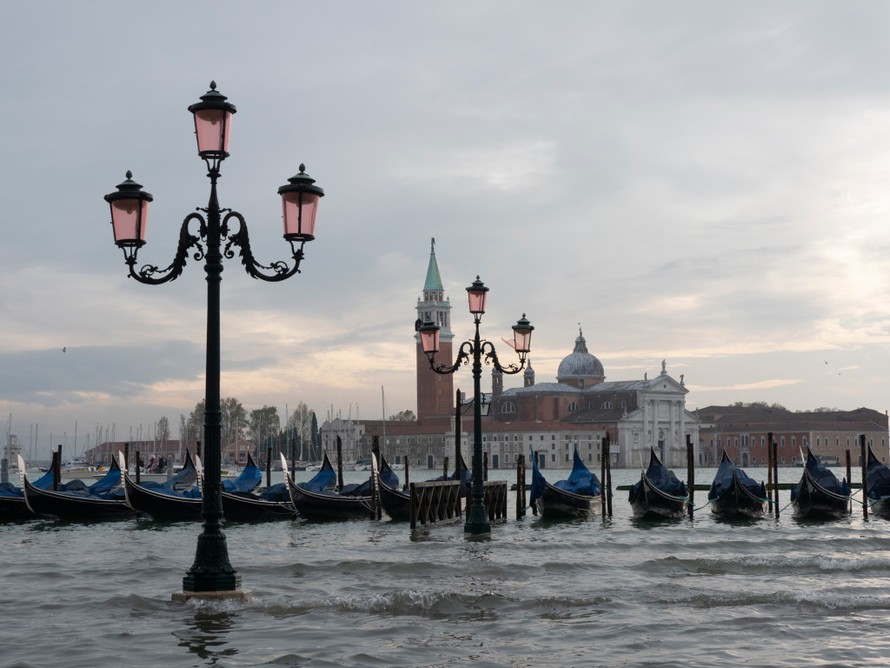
[
  {"x": 76, "y": 501},
  {"x": 316, "y": 500},
  {"x": 819, "y": 494},
  {"x": 12, "y": 498},
  {"x": 877, "y": 477},
  {"x": 175, "y": 500},
  {"x": 734, "y": 493},
  {"x": 658, "y": 493},
  {"x": 579, "y": 495}
]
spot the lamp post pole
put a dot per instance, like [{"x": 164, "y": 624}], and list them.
[
  {"x": 477, "y": 523},
  {"x": 211, "y": 574}
]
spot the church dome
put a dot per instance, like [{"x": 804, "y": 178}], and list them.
[{"x": 580, "y": 365}]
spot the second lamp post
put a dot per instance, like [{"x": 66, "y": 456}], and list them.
[{"x": 477, "y": 516}]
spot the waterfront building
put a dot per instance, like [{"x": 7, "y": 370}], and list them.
[
  {"x": 743, "y": 431},
  {"x": 551, "y": 418}
]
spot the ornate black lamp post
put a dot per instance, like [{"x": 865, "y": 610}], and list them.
[
  {"x": 477, "y": 518},
  {"x": 211, "y": 573}
]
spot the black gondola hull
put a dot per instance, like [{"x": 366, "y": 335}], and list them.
[
  {"x": 14, "y": 508},
  {"x": 814, "y": 502},
  {"x": 556, "y": 503},
  {"x": 329, "y": 506},
  {"x": 160, "y": 506},
  {"x": 396, "y": 503},
  {"x": 649, "y": 502},
  {"x": 738, "y": 502},
  {"x": 244, "y": 508},
  {"x": 74, "y": 507}
]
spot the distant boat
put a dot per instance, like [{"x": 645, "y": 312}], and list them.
[
  {"x": 362, "y": 464},
  {"x": 819, "y": 493},
  {"x": 579, "y": 495},
  {"x": 877, "y": 477},
  {"x": 735, "y": 494},
  {"x": 658, "y": 493}
]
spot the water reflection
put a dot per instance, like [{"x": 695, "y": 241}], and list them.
[{"x": 206, "y": 637}]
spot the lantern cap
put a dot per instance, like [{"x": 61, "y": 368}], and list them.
[
  {"x": 477, "y": 286},
  {"x": 301, "y": 182},
  {"x": 129, "y": 189},
  {"x": 212, "y": 99}
]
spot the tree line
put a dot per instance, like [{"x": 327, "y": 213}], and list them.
[{"x": 299, "y": 437}]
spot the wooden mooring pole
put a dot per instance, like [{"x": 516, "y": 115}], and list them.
[
  {"x": 376, "y": 509},
  {"x": 536, "y": 463},
  {"x": 863, "y": 460},
  {"x": 520, "y": 487},
  {"x": 690, "y": 473},
  {"x": 769, "y": 473},
  {"x": 57, "y": 468},
  {"x": 604, "y": 454},
  {"x": 608, "y": 481},
  {"x": 339, "y": 463},
  {"x": 774, "y": 447}
]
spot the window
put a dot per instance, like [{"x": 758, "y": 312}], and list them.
[
  {"x": 606, "y": 404},
  {"x": 508, "y": 407},
  {"x": 573, "y": 406}
]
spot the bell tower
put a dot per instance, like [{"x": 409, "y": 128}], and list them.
[{"x": 435, "y": 392}]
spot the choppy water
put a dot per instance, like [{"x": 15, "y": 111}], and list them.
[{"x": 591, "y": 593}]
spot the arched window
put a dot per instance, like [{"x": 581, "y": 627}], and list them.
[
  {"x": 573, "y": 406},
  {"x": 508, "y": 407},
  {"x": 606, "y": 404}
]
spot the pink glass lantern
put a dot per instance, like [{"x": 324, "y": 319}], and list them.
[
  {"x": 476, "y": 295},
  {"x": 429, "y": 338},
  {"x": 522, "y": 336},
  {"x": 299, "y": 205},
  {"x": 129, "y": 213},
  {"x": 213, "y": 124}
]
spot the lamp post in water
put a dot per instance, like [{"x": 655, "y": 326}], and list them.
[
  {"x": 477, "y": 517},
  {"x": 202, "y": 237}
]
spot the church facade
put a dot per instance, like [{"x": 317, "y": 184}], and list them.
[{"x": 551, "y": 419}]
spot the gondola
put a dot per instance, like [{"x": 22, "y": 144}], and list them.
[
  {"x": 239, "y": 503},
  {"x": 658, "y": 493},
  {"x": 579, "y": 495},
  {"x": 167, "y": 501},
  {"x": 242, "y": 503},
  {"x": 734, "y": 494},
  {"x": 877, "y": 478},
  {"x": 819, "y": 494},
  {"x": 396, "y": 501},
  {"x": 12, "y": 498},
  {"x": 77, "y": 501},
  {"x": 316, "y": 500}
]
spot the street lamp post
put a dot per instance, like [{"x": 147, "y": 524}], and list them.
[
  {"x": 211, "y": 573},
  {"x": 459, "y": 406},
  {"x": 477, "y": 518}
]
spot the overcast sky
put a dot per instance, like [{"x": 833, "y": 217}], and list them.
[{"x": 704, "y": 183}]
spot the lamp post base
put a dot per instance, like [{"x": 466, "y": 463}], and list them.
[
  {"x": 477, "y": 523},
  {"x": 237, "y": 595}
]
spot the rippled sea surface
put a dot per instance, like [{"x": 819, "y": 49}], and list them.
[{"x": 588, "y": 593}]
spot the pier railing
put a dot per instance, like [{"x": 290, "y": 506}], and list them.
[{"x": 434, "y": 501}]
